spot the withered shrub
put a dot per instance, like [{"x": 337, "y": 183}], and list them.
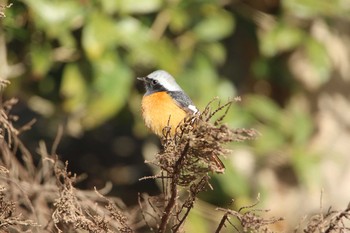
[{"x": 42, "y": 197}]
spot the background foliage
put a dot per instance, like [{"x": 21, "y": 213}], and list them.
[{"x": 75, "y": 63}]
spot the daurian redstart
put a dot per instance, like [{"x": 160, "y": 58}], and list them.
[{"x": 165, "y": 104}]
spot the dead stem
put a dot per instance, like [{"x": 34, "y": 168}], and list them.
[{"x": 173, "y": 191}]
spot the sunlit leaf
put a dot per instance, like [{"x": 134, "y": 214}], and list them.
[
  {"x": 73, "y": 89},
  {"x": 216, "y": 52},
  {"x": 233, "y": 183},
  {"x": 215, "y": 26},
  {"x": 226, "y": 90},
  {"x": 318, "y": 59},
  {"x": 99, "y": 35},
  {"x": 131, "y": 33},
  {"x": 139, "y": 6},
  {"x": 306, "y": 166},
  {"x": 263, "y": 108},
  {"x": 300, "y": 117},
  {"x": 165, "y": 55},
  {"x": 41, "y": 59},
  {"x": 315, "y": 8},
  {"x": 57, "y": 15},
  {"x": 109, "y": 6},
  {"x": 302, "y": 133},
  {"x": 161, "y": 53},
  {"x": 201, "y": 80},
  {"x": 272, "y": 140},
  {"x": 179, "y": 19},
  {"x": 111, "y": 88},
  {"x": 281, "y": 38},
  {"x": 196, "y": 223}
]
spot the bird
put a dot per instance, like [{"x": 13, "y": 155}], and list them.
[{"x": 165, "y": 104}]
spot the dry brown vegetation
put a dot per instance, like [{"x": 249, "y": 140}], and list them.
[
  {"x": 186, "y": 161},
  {"x": 41, "y": 197}
]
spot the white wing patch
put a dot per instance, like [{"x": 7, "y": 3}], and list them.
[{"x": 192, "y": 108}]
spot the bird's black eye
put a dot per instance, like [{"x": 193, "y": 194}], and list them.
[{"x": 154, "y": 82}]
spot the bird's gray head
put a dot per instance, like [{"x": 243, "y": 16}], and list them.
[{"x": 160, "y": 80}]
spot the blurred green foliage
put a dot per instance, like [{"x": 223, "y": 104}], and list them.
[
  {"x": 93, "y": 48},
  {"x": 82, "y": 58}
]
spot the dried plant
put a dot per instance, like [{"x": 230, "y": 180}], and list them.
[
  {"x": 332, "y": 221},
  {"x": 248, "y": 218},
  {"x": 186, "y": 161},
  {"x": 9, "y": 217},
  {"x": 74, "y": 209},
  {"x": 42, "y": 198},
  {"x": 189, "y": 153}
]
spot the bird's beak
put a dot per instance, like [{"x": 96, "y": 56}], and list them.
[{"x": 141, "y": 79}]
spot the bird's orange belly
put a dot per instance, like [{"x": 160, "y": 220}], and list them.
[{"x": 160, "y": 110}]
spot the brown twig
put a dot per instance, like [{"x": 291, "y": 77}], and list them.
[
  {"x": 57, "y": 140},
  {"x": 173, "y": 191},
  {"x": 338, "y": 218},
  {"x": 249, "y": 220},
  {"x": 222, "y": 222},
  {"x": 189, "y": 203}
]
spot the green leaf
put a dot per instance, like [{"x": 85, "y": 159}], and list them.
[
  {"x": 302, "y": 133},
  {"x": 296, "y": 115},
  {"x": 202, "y": 80},
  {"x": 306, "y": 166},
  {"x": 73, "y": 88},
  {"x": 99, "y": 35},
  {"x": 316, "y": 8},
  {"x": 272, "y": 140},
  {"x": 281, "y": 38},
  {"x": 161, "y": 53},
  {"x": 196, "y": 223},
  {"x": 226, "y": 90},
  {"x": 319, "y": 59},
  {"x": 109, "y": 6},
  {"x": 139, "y": 6},
  {"x": 216, "y": 52},
  {"x": 131, "y": 33},
  {"x": 261, "y": 68},
  {"x": 179, "y": 19},
  {"x": 263, "y": 108},
  {"x": 111, "y": 89},
  {"x": 41, "y": 58},
  {"x": 55, "y": 16},
  {"x": 216, "y": 26},
  {"x": 233, "y": 183}
]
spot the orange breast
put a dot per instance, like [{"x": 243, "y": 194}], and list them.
[{"x": 158, "y": 109}]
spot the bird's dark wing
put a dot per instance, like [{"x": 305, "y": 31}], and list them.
[{"x": 183, "y": 101}]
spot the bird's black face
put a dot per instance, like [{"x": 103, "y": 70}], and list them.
[{"x": 152, "y": 85}]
